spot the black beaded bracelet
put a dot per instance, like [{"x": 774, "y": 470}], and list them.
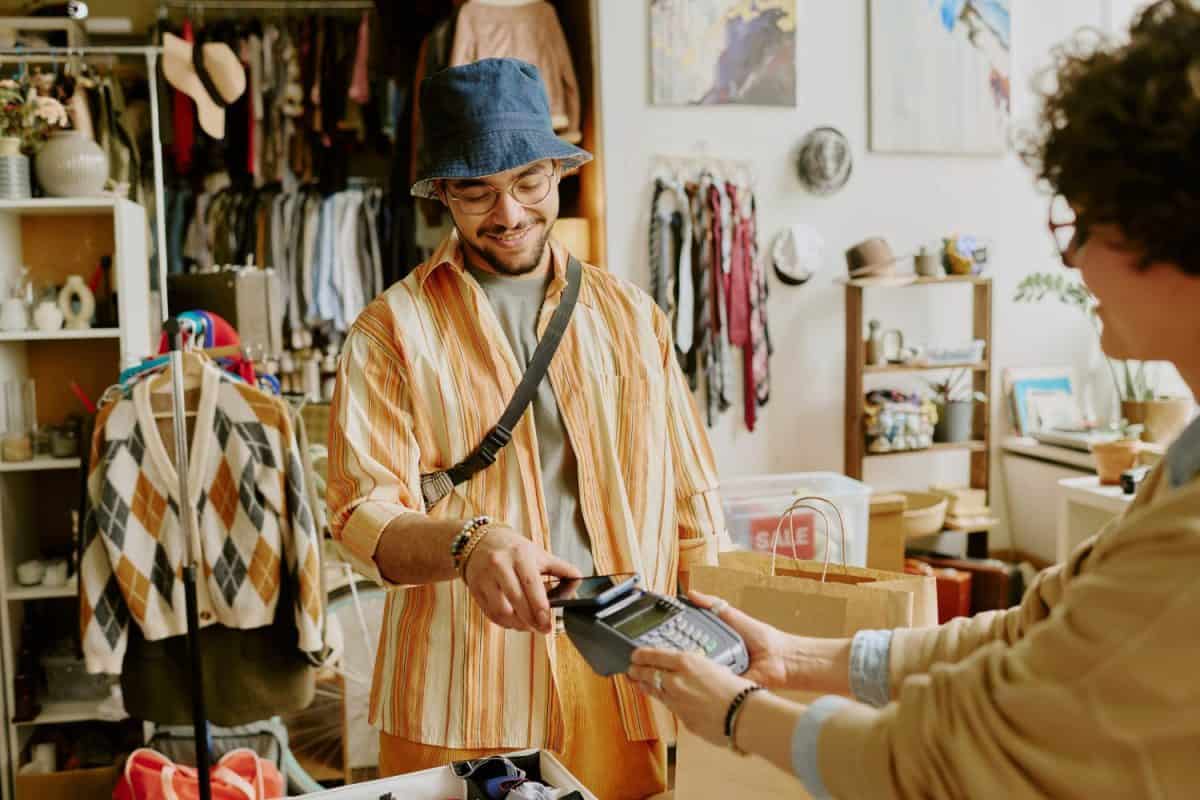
[{"x": 731, "y": 714}]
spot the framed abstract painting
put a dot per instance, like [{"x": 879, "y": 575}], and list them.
[
  {"x": 719, "y": 52},
  {"x": 940, "y": 76}
]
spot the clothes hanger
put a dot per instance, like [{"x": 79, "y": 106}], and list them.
[{"x": 193, "y": 363}]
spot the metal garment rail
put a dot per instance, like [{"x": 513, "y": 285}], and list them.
[{"x": 272, "y": 5}]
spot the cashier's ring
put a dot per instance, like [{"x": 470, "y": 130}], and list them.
[
  {"x": 719, "y": 606},
  {"x": 656, "y": 681}
]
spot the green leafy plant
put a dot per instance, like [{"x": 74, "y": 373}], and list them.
[
  {"x": 955, "y": 388},
  {"x": 1133, "y": 380},
  {"x": 27, "y": 115}
]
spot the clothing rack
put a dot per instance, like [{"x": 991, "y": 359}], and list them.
[
  {"x": 175, "y": 334},
  {"x": 268, "y": 5},
  {"x": 690, "y": 167}
]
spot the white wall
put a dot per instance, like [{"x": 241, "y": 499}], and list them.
[{"x": 906, "y": 199}]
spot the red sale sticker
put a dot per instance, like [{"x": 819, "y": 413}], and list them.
[{"x": 796, "y": 537}]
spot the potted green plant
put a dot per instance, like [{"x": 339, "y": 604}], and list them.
[
  {"x": 1159, "y": 417},
  {"x": 1113, "y": 458},
  {"x": 955, "y": 401}
]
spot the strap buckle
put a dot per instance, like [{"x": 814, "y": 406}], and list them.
[{"x": 496, "y": 440}]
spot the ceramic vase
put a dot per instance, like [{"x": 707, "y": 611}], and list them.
[
  {"x": 954, "y": 421},
  {"x": 14, "y": 170},
  {"x": 47, "y": 316},
  {"x": 71, "y": 165},
  {"x": 1162, "y": 419},
  {"x": 14, "y": 316},
  {"x": 77, "y": 304}
]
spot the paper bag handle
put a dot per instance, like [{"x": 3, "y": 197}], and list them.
[{"x": 806, "y": 502}]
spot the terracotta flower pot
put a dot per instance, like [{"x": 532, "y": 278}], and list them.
[
  {"x": 1163, "y": 419},
  {"x": 1113, "y": 458}
]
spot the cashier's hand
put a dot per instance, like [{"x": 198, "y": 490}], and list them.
[
  {"x": 696, "y": 689},
  {"x": 505, "y": 575},
  {"x": 765, "y": 644}
]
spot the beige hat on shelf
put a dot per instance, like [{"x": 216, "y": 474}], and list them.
[
  {"x": 207, "y": 72},
  {"x": 872, "y": 261}
]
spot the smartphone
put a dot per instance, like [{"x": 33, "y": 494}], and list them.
[{"x": 596, "y": 590}]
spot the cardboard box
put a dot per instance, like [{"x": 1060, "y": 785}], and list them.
[
  {"x": 885, "y": 547},
  {"x": 440, "y": 783},
  {"x": 69, "y": 785},
  {"x": 963, "y": 501}
]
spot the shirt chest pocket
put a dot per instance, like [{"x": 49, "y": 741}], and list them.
[{"x": 619, "y": 394}]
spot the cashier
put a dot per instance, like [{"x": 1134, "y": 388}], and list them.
[{"x": 1088, "y": 688}]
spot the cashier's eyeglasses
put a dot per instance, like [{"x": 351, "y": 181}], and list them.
[
  {"x": 478, "y": 198},
  {"x": 1068, "y": 230}
]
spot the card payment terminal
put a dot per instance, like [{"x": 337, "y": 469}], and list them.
[{"x": 607, "y": 632}]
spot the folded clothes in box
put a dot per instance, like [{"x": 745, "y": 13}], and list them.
[{"x": 441, "y": 783}]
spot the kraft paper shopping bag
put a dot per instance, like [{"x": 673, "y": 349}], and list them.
[{"x": 805, "y": 598}]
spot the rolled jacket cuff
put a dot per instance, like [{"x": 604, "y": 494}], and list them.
[
  {"x": 870, "y": 652},
  {"x": 805, "y": 737},
  {"x": 361, "y": 533}
]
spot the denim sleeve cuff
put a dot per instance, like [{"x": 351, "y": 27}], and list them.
[
  {"x": 804, "y": 742},
  {"x": 869, "y": 653}
]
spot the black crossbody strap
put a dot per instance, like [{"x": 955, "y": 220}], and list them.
[{"x": 436, "y": 485}]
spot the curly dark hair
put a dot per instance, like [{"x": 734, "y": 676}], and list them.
[{"x": 1119, "y": 135}]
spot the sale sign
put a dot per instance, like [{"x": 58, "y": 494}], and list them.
[{"x": 797, "y": 537}]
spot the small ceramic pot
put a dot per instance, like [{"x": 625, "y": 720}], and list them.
[
  {"x": 14, "y": 316},
  {"x": 47, "y": 316},
  {"x": 71, "y": 165},
  {"x": 1113, "y": 458},
  {"x": 1161, "y": 420},
  {"x": 954, "y": 422}
]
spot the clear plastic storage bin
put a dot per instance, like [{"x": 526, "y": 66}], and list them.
[{"x": 754, "y": 505}]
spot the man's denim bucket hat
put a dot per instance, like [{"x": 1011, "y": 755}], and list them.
[{"x": 487, "y": 117}]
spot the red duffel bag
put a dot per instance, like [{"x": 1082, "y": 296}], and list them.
[{"x": 239, "y": 775}]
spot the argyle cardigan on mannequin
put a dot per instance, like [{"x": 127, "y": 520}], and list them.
[{"x": 252, "y": 518}]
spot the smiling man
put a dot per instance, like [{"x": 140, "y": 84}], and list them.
[{"x": 609, "y": 470}]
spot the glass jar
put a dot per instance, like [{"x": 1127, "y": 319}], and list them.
[
  {"x": 64, "y": 442},
  {"x": 20, "y": 412}
]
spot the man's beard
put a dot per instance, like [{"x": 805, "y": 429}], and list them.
[{"x": 501, "y": 267}]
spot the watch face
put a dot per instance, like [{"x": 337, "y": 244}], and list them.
[{"x": 824, "y": 163}]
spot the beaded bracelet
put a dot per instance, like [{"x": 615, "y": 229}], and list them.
[
  {"x": 731, "y": 716},
  {"x": 469, "y": 548},
  {"x": 458, "y": 547}
]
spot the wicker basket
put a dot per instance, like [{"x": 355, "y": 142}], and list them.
[{"x": 925, "y": 514}]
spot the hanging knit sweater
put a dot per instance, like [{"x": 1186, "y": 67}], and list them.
[{"x": 253, "y": 523}]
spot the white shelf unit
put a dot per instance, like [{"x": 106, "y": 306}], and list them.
[
  {"x": 56, "y": 237},
  {"x": 59, "y": 336},
  {"x": 39, "y": 464}
]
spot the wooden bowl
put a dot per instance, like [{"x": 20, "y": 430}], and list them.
[{"x": 925, "y": 514}]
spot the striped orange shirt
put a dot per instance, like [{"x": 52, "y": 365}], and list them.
[{"x": 426, "y": 371}]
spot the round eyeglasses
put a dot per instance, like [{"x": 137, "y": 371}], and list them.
[
  {"x": 1068, "y": 230},
  {"x": 479, "y": 198}
]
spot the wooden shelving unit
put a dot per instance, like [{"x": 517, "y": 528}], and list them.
[{"x": 980, "y": 446}]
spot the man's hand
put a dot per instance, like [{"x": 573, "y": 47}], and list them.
[{"x": 505, "y": 576}]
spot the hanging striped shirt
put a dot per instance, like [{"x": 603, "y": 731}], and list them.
[{"x": 425, "y": 372}]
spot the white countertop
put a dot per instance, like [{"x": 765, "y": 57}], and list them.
[{"x": 1032, "y": 448}]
